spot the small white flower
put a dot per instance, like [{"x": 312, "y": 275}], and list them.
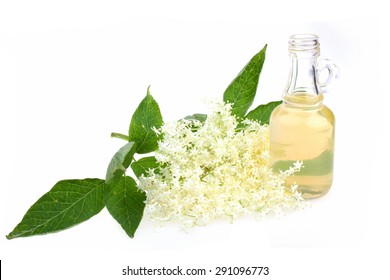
[
  {"x": 298, "y": 165},
  {"x": 294, "y": 187}
]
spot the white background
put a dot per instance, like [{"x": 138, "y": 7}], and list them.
[{"x": 71, "y": 72}]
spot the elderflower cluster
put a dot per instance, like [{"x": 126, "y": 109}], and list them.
[{"x": 213, "y": 170}]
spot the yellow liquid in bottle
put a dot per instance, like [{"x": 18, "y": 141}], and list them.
[{"x": 303, "y": 129}]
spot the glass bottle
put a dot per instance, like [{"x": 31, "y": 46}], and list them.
[{"x": 302, "y": 128}]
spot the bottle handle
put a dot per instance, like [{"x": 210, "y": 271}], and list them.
[{"x": 333, "y": 73}]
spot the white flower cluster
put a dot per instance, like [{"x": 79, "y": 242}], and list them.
[{"x": 213, "y": 170}]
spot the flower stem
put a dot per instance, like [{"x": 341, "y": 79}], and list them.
[{"x": 120, "y": 136}]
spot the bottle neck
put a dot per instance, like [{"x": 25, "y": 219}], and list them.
[{"x": 303, "y": 88}]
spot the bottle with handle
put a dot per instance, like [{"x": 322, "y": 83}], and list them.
[{"x": 302, "y": 128}]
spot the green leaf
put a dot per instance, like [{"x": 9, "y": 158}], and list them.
[
  {"x": 68, "y": 203},
  {"x": 242, "y": 90},
  {"x": 199, "y": 117},
  {"x": 141, "y": 166},
  {"x": 120, "y": 162},
  {"x": 262, "y": 113},
  {"x": 145, "y": 117},
  {"x": 126, "y": 203}
]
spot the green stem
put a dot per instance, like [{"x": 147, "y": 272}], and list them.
[{"x": 120, "y": 136}]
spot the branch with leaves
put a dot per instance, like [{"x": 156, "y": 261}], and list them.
[{"x": 71, "y": 202}]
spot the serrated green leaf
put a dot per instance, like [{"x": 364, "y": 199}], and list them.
[
  {"x": 242, "y": 90},
  {"x": 126, "y": 204},
  {"x": 263, "y": 112},
  {"x": 68, "y": 203},
  {"x": 120, "y": 162},
  {"x": 141, "y": 166},
  {"x": 145, "y": 117}
]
